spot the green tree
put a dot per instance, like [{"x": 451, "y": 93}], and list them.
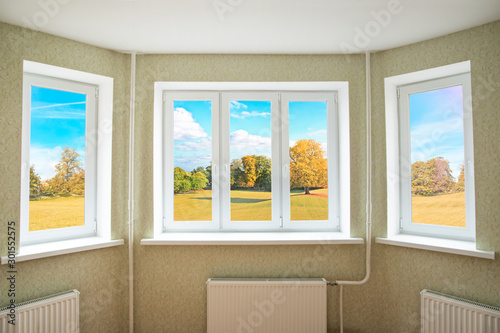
[
  {"x": 308, "y": 165},
  {"x": 262, "y": 171},
  {"x": 181, "y": 181},
  {"x": 198, "y": 181},
  {"x": 34, "y": 182},
  {"x": 237, "y": 170}
]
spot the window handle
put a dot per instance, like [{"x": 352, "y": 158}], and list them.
[{"x": 285, "y": 170}]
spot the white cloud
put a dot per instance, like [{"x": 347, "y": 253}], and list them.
[
  {"x": 241, "y": 140},
  {"x": 185, "y": 127},
  {"x": 245, "y": 114},
  {"x": 45, "y": 160},
  {"x": 238, "y": 105},
  {"x": 201, "y": 144},
  {"x": 189, "y": 162},
  {"x": 321, "y": 133}
]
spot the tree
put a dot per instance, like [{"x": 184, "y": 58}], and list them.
[
  {"x": 181, "y": 181},
  {"x": 70, "y": 177},
  {"x": 236, "y": 173},
  {"x": 34, "y": 182},
  {"x": 422, "y": 182},
  {"x": 460, "y": 184},
  {"x": 69, "y": 164},
  {"x": 443, "y": 178},
  {"x": 308, "y": 165},
  {"x": 262, "y": 171},
  {"x": 249, "y": 172},
  {"x": 198, "y": 181}
]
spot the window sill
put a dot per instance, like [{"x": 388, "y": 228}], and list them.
[
  {"x": 251, "y": 238},
  {"x": 45, "y": 250},
  {"x": 437, "y": 244}
]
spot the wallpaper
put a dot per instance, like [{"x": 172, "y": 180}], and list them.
[
  {"x": 170, "y": 289},
  {"x": 100, "y": 275}
]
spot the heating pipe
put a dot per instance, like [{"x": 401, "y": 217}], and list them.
[
  {"x": 131, "y": 197},
  {"x": 368, "y": 191}
]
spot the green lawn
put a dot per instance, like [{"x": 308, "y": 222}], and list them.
[
  {"x": 444, "y": 209},
  {"x": 250, "y": 206},
  {"x": 60, "y": 212}
]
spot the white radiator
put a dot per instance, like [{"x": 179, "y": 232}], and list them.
[
  {"x": 57, "y": 313},
  {"x": 266, "y": 306},
  {"x": 442, "y": 313}
]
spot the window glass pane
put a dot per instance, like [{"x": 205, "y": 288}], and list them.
[
  {"x": 57, "y": 157},
  {"x": 250, "y": 154},
  {"x": 308, "y": 161},
  {"x": 437, "y": 157},
  {"x": 192, "y": 160}
]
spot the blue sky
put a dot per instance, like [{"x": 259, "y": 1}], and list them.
[
  {"x": 57, "y": 120},
  {"x": 436, "y": 125},
  {"x": 250, "y": 129}
]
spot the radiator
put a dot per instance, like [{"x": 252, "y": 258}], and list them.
[
  {"x": 442, "y": 313},
  {"x": 57, "y": 313},
  {"x": 266, "y": 305}
]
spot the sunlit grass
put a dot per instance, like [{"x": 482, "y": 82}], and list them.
[
  {"x": 247, "y": 205},
  {"x": 60, "y": 212},
  {"x": 444, "y": 209}
]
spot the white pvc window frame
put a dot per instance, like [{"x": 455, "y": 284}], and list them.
[
  {"x": 398, "y": 150},
  {"x": 338, "y": 222},
  {"x": 227, "y": 222},
  {"x": 98, "y": 136},
  {"x": 168, "y": 160},
  {"x": 332, "y": 125}
]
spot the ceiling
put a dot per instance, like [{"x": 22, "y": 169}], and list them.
[{"x": 249, "y": 26}]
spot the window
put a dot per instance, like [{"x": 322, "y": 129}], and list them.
[
  {"x": 66, "y": 149},
  {"x": 433, "y": 178},
  {"x": 250, "y": 157}
]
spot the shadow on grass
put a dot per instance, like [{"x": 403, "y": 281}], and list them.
[{"x": 236, "y": 200}]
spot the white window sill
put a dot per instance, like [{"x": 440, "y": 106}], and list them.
[
  {"x": 437, "y": 244},
  {"x": 45, "y": 250},
  {"x": 251, "y": 238}
]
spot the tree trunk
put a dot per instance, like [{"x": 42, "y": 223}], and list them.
[{"x": 307, "y": 189}]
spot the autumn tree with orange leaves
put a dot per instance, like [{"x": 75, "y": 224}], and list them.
[{"x": 308, "y": 165}]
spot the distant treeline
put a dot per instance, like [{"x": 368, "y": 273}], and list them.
[{"x": 308, "y": 168}]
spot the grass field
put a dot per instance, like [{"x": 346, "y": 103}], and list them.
[
  {"x": 250, "y": 206},
  {"x": 60, "y": 212},
  {"x": 445, "y": 209}
]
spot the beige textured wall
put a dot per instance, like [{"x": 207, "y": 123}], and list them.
[{"x": 100, "y": 275}]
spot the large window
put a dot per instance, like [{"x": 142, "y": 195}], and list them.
[
  {"x": 436, "y": 178},
  {"x": 60, "y": 157},
  {"x": 248, "y": 159}
]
